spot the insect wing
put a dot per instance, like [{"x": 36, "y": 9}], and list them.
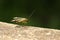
[{"x": 16, "y": 19}]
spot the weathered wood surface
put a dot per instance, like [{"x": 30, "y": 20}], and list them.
[{"x": 11, "y": 32}]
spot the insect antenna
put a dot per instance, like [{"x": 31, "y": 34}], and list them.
[{"x": 31, "y": 14}]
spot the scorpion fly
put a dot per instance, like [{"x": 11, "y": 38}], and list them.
[{"x": 21, "y": 19}]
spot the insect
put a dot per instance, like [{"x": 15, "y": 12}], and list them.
[{"x": 21, "y": 19}]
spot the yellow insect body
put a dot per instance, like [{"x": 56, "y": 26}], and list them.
[{"x": 20, "y": 20}]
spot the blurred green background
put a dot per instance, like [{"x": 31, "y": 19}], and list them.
[{"x": 47, "y": 12}]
